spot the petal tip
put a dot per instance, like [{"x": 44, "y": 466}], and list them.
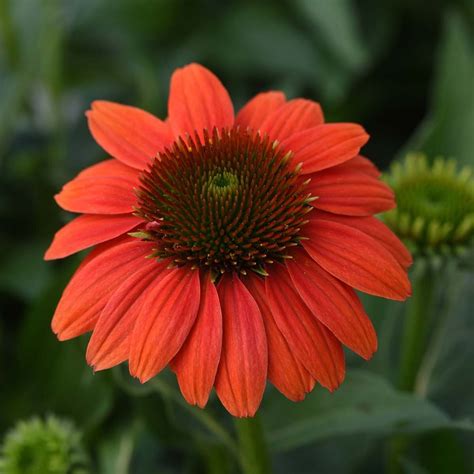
[
  {"x": 49, "y": 254},
  {"x": 60, "y": 336},
  {"x": 367, "y": 355},
  {"x": 97, "y": 104}
]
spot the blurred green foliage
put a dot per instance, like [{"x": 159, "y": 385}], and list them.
[{"x": 403, "y": 68}]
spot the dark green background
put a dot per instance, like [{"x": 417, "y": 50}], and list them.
[{"x": 403, "y": 69}]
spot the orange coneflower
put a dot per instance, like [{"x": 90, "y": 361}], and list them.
[{"x": 228, "y": 247}]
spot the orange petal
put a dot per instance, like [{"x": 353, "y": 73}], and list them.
[
  {"x": 129, "y": 134},
  {"x": 334, "y": 304},
  {"x": 356, "y": 258},
  {"x": 164, "y": 321},
  {"x": 376, "y": 229},
  {"x": 361, "y": 164},
  {"x": 105, "y": 188},
  {"x": 256, "y": 110},
  {"x": 314, "y": 345},
  {"x": 110, "y": 341},
  {"x": 242, "y": 371},
  {"x": 285, "y": 371},
  {"x": 350, "y": 192},
  {"x": 292, "y": 117},
  {"x": 326, "y": 145},
  {"x": 109, "y": 168},
  {"x": 94, "y": 282},
  {"x": 88, "y": 230},
  {"x": 197, "y": 361},
  {"x": 198, "y": 101}
]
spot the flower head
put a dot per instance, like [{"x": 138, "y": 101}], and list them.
[
  {"x": 35, "y": 446},
  {"x": 435, "y": 213},
  {"x": 227, "y": 246}
]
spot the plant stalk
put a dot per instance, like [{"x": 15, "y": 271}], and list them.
[
  {"x": 416, "y": 329},
  {"x": 253, "y": 452},
  {"x": 413, "y": 347}
]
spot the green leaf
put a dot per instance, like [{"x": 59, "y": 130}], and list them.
[
  {"x": 449, "y": 127},
  {"x": 59, "y": 379},
  {"x": 268, "y": 43},
  {"x": 269, "y": 47},
  {"x": 336, "y": 22},
  {"x": 365, "y": 404}
]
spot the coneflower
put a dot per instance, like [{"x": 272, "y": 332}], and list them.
[{"x": 227, "y": 246}]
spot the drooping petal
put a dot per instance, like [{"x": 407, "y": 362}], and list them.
[
  {"x": 88, "y": 230},
  {"x": 198, "y": 101},
  {"x": 166, "y": 316},
  {"x": 334, "y": 304},
  {"x": 376, "y": 229},
  {"x": 197, "y": 361},
  {"x": 350, "y": 192},
  {"x": 312, "y": 343},
  {"x": 356, "y": 258},
  {"x": 326, "y": 145},
  {"x": 94, "y": 282},
  {"x": 285, "y": 371},
  {"x": 256, "y": 110},
  {"x": 129, "y": 134},
  {"x": 242, "y": 371},
  {"x": 361, "y": 164},
  {"x": 292, "y": 117},
  {"x": 110, "y": 341},
  {"x": 105, "y": 188}
]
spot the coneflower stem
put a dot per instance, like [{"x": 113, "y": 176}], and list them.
[
  {"x": 253, "y": 452},
  {"x": 413, "y": 348},
  {"x": 415, "y": 329},
  {"x": 453, "y": 290}
]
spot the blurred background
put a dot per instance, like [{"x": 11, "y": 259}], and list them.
[{"x": 402, "y": 68}]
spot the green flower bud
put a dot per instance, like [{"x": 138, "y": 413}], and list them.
[
  {"x": 435, "y": 206},
  {"x": 35, "y": 446}
]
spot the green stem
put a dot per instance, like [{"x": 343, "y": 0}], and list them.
[
  {"x": 415, "y": 329},
  {"x": 254, "y": 458},
  {"x": 413, "y": 348},
  {"x": 452, "y": 289}
]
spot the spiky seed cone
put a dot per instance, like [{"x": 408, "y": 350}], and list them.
[{"x": 228, "y": 203}]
